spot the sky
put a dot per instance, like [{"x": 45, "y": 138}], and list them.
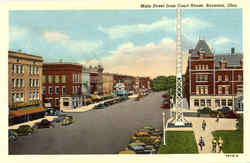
[{"x": 133, "y": 42}]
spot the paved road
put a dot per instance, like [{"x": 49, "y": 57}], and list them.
[{"x": 105, "y": 131}]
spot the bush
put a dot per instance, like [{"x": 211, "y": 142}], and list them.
[{"x": 205, "y": 110}]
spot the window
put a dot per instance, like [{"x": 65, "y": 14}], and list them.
[
  {"x": 50, "y": 79},
  {"x": 205, "y": 77},
  {"x": 17, "y": 69},
  {"x": 30, "y": 96},
  {"x": 239, "y": 89},
  {"x": 34, "y": 96},
  {"x": 13, "y": 68},
  {"x": 30, "y": 69},
  {"x": 226, "y": 78},
  {"x": 13, "y": 98},
  {"x": 57, "y": 90},
  {"x": 223, "y": 102},
  {"x": 208, "y": 102},
  {"x": 37, "y": 70},
  {"x": 44, "y": 90},
  {"x": 197, "y": 90},
  {"x": 63, "y": 90},
  {"x": 50, "y": 91},
  {"x": 21, "y": 83},
  {"x": 229, "y": 102},
  {"x": 219, "y": 78},
  {"x": 57, "y": 79},
  {"x": 240, "y": 78},
  {"x": 13, "y": 83},
  {"x": 206, "y": 90},
  {"x": 196, "y": 102},
  {"x": 34, "y": 69},
  {"x": 65, "y": 103},
  {"x": 17, "y": 97},
  {"x": 38, "y": 83},
  {"x": 202, "y": 90},
  {"x": 57, "y": 102},
  {"x": 17, "y": 83},
  {"x": 34, "y": 83},
  {"x": 196, "y": 67},
  {"x": 197, "y": 77},
  {"x": 220, "y": 90},
  {"x": 207, "y": 67},
  {"x": 63, "y": 79},
  {"x": 30, "y": 83},
  {"x": 217, "y": 103},
  {"x": 202, "y": 102},
  {"x": 73, "y": 78},
  {"x": 44, "y": 79},
  {"x": 21, "y": 97},
  {"x": 37, "y": 95},
  {"x": 226, "y": 90}
]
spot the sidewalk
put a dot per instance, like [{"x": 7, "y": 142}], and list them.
[
  {"x": 212, "y": 125},
  {"x": 31, "y": 123}
]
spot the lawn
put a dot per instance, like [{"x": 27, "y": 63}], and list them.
[
  {"x": 233, "y": 140},
  {"x": 179, "y": 142}
]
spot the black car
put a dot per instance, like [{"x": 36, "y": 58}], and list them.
[
  {"x": 224, "y": 110},
  {"x": 12, "y": 135},
  {"x": 60, "y": 118},
  {"x": 52, "y": 112},
  {"x": 100, "y": 106},
  {"x": 43, "y": 124},
  {"x": 24, "y": 130}
]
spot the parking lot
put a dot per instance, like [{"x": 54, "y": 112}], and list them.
[{"x": 102, "y": 131}]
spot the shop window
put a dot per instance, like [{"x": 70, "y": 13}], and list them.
[
  {"x": 229, "y": 102},
  {"x": 217, "y": 103},
  {"x": 223, "y": 102},
  {"x": 202, "y": 102},
  {"x": 196, "y": 102},
  {"x": 208, "y": 102},
  {"x": 65, "y": 103}
]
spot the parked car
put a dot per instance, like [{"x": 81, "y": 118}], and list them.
[
  {"x": 59, "y": 118},
  {"x": 224, "y": 110},
  {"x": 52, "y": 112},
  {"x": 149, "y": 149},
  {"x": 67, "y": 120},
  {"x": 24, "y": 130},
  {"x": 100, "y": 106},
  {"x": 43, "y": 124},
  {"x": 127, "y": 151},
  {"x": 12, "y": 135},
  {"x": 142, "y": 132},
  {"x": 232, "y": 114},
  {"x": 137, "y": 147}
]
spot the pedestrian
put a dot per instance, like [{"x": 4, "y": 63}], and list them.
[
  {"x": 201, "y": 143},
  {"x": 203, "y": 125},
  {"x": 214, "y": 144},
  {"x": 218, "y": 117},
  {"x": 220, "y": 144}
]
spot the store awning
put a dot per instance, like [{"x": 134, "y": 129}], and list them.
[{"x": 22, "y": 112}]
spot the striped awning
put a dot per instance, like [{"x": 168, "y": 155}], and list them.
[{"x": 22, "y": 112}]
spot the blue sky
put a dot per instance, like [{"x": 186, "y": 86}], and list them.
[{"x": 135, "y": 42}]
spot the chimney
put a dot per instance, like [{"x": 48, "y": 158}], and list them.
[{"x": 232, "y": 50}]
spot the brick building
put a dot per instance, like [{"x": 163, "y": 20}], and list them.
[
  {"x": 213, "y": 80},
  {"x": 24, "y": 89},
  {"x": 107, "y": 84},
  {"x": 62, "y": 84}
]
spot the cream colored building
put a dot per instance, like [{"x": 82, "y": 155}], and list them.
[{"x": 25, "y": 76}]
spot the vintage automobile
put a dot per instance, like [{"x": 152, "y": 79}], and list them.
[
  {"x": 12, "y": 135},
  {"x": 67, "y": 120},
  {"x": 43, "y": 124},
  {"x": 24, "y": 130}
]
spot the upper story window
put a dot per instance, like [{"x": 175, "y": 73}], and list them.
[
  {"x": 226, "y": 78},
  {"x": 50, "y": 79},
  {"x": 17, "y": 68},
  {"x": 13, "y": 68},
  {"x": 22, "y": 69},
  {"x": 219, "y": 90},
  {"x": 63, "y": 79},
  {"x": 219, "y": 78},
  {"x": 240, "y": 78},
  {"x": 57, "y": 79},
  {"x": 44, "y": 79}
]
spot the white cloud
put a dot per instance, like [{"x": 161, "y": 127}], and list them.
[
  {"x": 67, "y": 42},
  {"x": 164, "y": 24},
  {"x": 151, "y": 59},
  {"x": 55, "y": 36},
  {"x": 221, "y": 41}
]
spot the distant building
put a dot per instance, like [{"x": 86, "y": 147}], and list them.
[
  {"x": 213, "y": 80},
  {"x": 62, "y": 85},
  {"x": 24, "y": 88},
  {"x": 107, "y": 84}
]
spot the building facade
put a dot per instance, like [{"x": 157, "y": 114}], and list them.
[
  {"x": 24, "y": 85},
  {"x": 213, "y": 80},
  {"x": 107, "y": 83},
  {"x": 61, "y": 81}
]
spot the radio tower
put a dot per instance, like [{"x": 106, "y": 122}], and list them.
[{"x": 179, "y": 95}]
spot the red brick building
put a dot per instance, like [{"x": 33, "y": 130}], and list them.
[
  {"x": 62, "y": 80},
  {"x": 213, "y": 80}
]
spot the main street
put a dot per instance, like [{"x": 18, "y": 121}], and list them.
[{"x": 104, "y": 131}]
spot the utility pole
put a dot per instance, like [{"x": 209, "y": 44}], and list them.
[{"x": 179, "y": 93}]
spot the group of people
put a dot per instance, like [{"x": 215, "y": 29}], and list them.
[{"x": 215, "y": 141}]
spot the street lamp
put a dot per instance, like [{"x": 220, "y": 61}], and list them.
[{"x": 164, "y": 127}]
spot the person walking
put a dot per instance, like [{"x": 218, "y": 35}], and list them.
[
  {"x": 218, "y": 117},
  {"x": 201, "y": 143},
  {"x": 214, "y": 144},
  {"x": 220, "y": 144},
  {"x": 204, "y": 124}
]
